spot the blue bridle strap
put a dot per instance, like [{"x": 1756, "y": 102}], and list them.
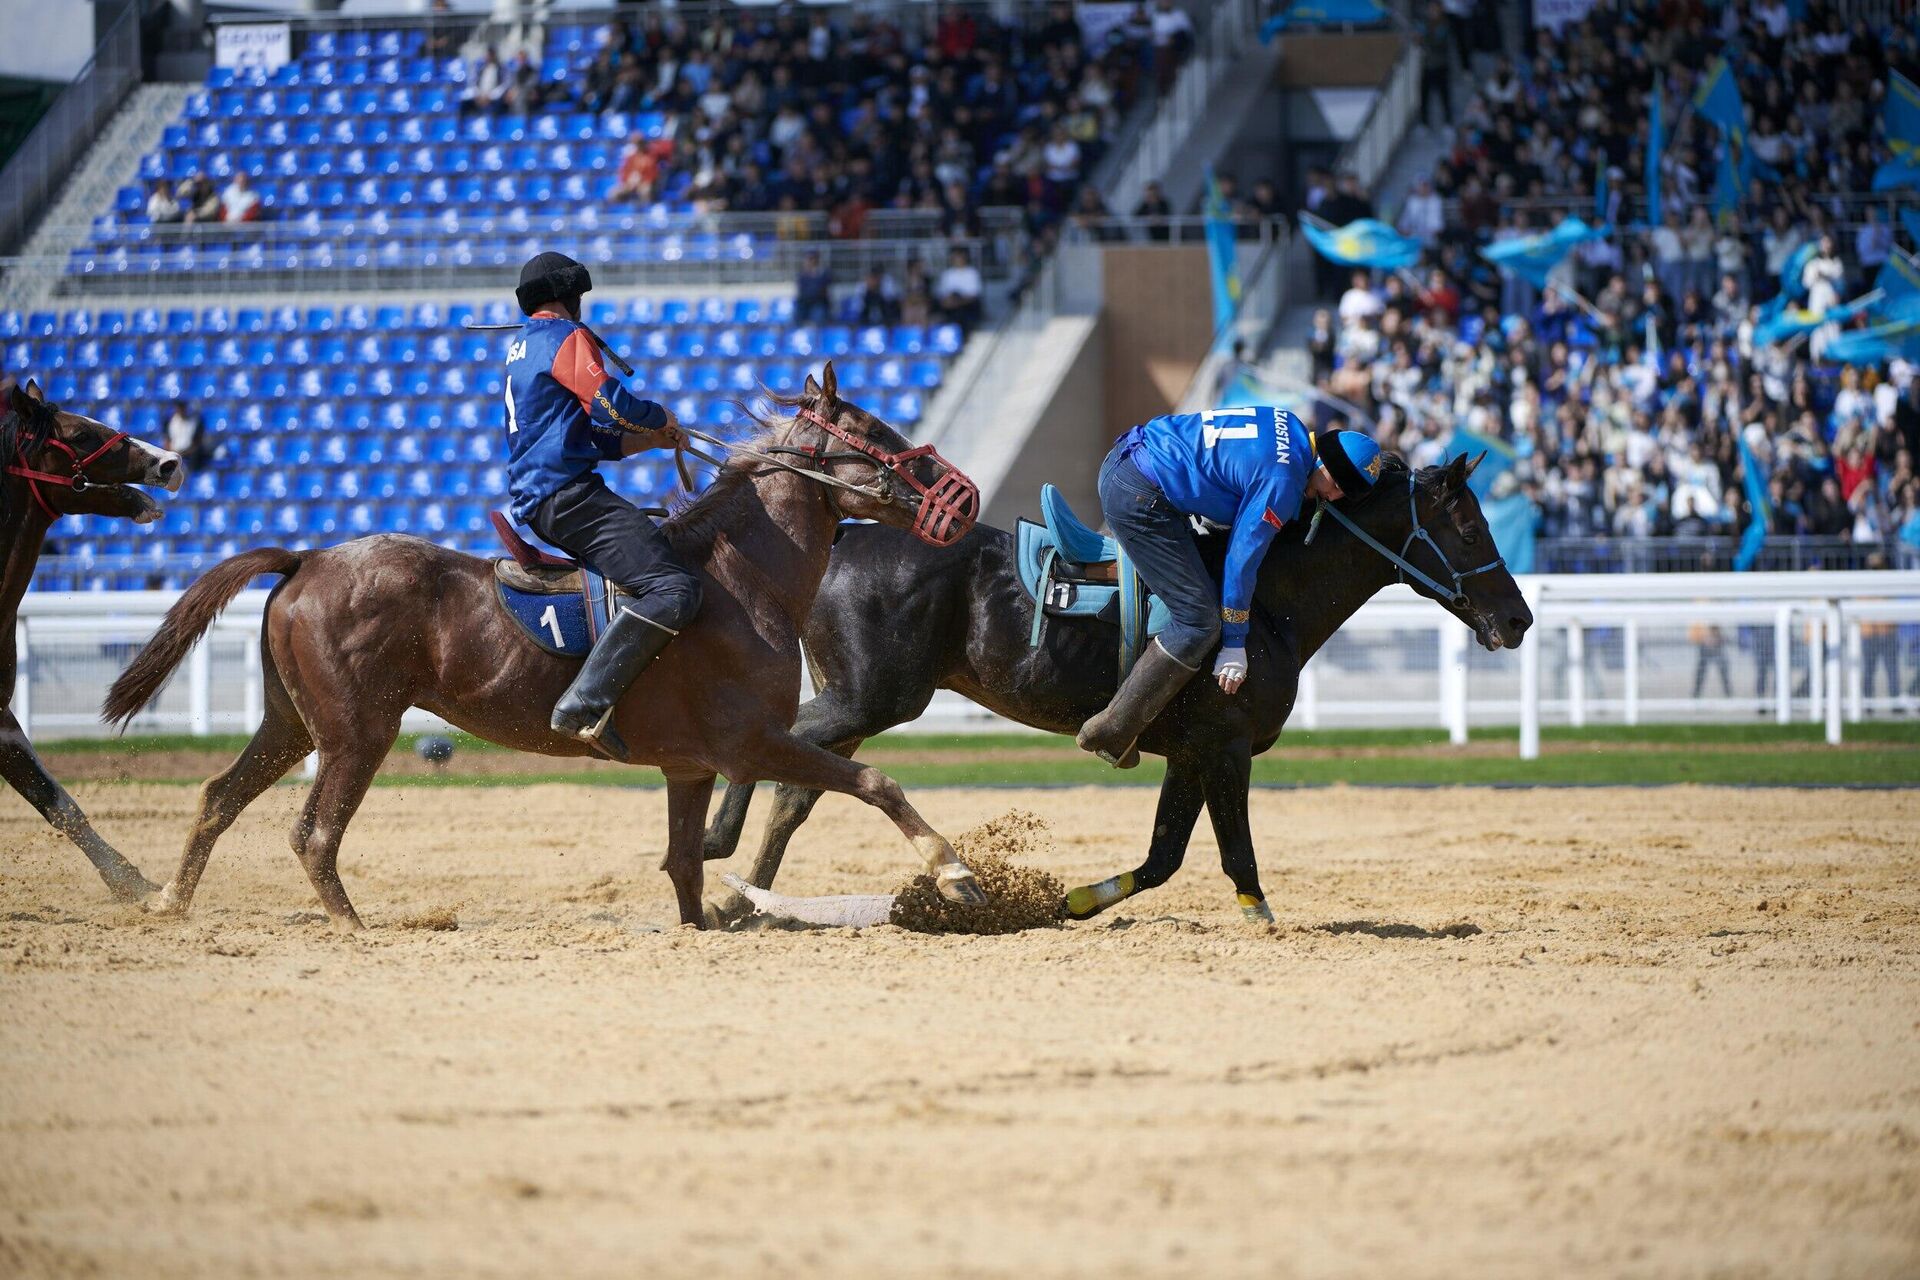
[{"x": 1456, "y": 594}]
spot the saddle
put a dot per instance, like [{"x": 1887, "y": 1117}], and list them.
[
  {"x": 562, "y": 605},
  {"x": 1073, "y": 571}
]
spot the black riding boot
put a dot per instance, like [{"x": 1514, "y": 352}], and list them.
[
  {"x": 1156, "y": 676},
  {"x": 585, "y": 710}
]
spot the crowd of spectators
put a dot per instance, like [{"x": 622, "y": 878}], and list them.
[
  {"x": 848, "y": 113},
  {"x": 1625, "y": 405}
]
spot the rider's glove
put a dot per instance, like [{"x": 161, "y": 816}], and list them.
[{"x": 1230, "y": 668}]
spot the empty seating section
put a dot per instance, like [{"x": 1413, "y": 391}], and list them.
[
  {"x": 363, "y": 159},
  {"x": 325, "y": 423}
]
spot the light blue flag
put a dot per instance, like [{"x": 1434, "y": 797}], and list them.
[
  {"x": 1777, "y": 324},
  {"x": 1901, "y": 116},
  {"x": 1790, "y": 272},
  {"x": 1718, "y": 100},
  {"x": 1755, "y": 479},
  {"x": 1368, "y": 242},
  {"x": 1324, "y": 13},
  {"x": 1223, "y": 258},
  {"x": 1910, "y": 219},
  {"x": 1656, "y": 146},
  {"x": 1532, "y": 258},
  {"x": 1876, "y": 345},
  {"x": 1897, "y": 281},
  {"x": 1513, "y": 521},
  {"x": 1729, "y": 185},
  {"x": 1898, "y": 175}
]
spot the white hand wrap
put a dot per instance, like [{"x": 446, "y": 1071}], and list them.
[{"x": 1231, "y": 662}]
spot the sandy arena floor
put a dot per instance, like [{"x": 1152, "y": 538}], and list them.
[{"x": 1685, "y": 1041}]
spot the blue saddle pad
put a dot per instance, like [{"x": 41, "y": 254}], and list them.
[
  {"x": 563, "y": 621},
  {"x": 1046, "y": 571}
]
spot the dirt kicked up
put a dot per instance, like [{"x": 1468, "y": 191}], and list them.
[{"x": 1531, "y": 1033}]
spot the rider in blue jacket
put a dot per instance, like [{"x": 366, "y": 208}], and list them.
[
  {"x": 565, "y": 415},
  {"x": 1248, "y": 469}
]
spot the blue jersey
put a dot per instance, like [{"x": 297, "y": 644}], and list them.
[
  {"x": 565, "y": 412},
  {"x": 1245, "y": 468}
]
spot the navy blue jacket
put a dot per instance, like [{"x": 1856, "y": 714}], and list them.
[{"x": 565, "y": 412}]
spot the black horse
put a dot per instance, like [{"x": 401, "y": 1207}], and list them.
[{"x": 896, "y": 619}]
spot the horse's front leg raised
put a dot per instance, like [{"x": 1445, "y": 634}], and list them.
[
  {"x": 24, "y": 773},
  {"x": 785, "y": 758},
  {"x": 687, "y": 800},
  {"x": 1181, "y": 796},
  {"x": 1227, "y": 777}
]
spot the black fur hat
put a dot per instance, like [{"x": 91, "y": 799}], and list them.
[{"x": 549, "y": 277}]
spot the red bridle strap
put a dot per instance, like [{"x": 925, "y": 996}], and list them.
[
  {"x": 75, "y": 480},
  {"x": 948, "y": 507}
]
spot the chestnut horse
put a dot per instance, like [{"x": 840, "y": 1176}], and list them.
[
  {"x": 360, "y": 632},
  {"x": 58, "y": 464}
]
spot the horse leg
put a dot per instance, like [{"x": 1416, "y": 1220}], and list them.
[
  {"x": 24, "y": 773},
  {"x": 824, "y": 722},
  {"x": 1227, "y": 778},
  {"x": 279, "y": 742},
  {"x": 686, "y": 814},
  {"x": 346, "y": 771},
  {"x": 785, "y": 758},
  {"x": 1181, "y": 795}
]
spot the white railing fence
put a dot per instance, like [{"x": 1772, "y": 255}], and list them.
[{"x": 1828, "y": 648}]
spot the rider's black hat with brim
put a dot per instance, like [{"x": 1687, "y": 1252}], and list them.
[
  {"x": 550, "y": 277},
  {"x": 1354, "y": 476}
]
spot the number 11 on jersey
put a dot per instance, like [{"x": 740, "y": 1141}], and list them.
[{"x": 1215, "y": 433}]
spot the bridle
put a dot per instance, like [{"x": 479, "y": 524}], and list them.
[
  {"x": 1457, "y": 595},
  {"x": 76, "y": 480},
  {"x": 943, "y": 511}
]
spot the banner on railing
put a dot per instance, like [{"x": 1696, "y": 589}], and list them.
[{"x": 253, "y": 44}]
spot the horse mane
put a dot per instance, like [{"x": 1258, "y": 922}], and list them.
[
  {"x": 692, "y": 529},
  {"x": 1391, "y": 481},
  {"x": 22, "y": 436}
]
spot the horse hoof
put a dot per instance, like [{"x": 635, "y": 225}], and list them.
[
  {"x": 724, "y": 915},
  {"x": 165, "y": 902},
  {"x": 132, "y": 889},
  {"x": 958, "y": 884},
  {"x": 1255, "y": 910}
]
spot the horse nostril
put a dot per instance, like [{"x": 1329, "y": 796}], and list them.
[
  {"x": 168, "y": 467},
  {"x": 1517, "y": 625}
]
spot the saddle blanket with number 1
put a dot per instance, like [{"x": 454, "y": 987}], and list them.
[{"x": 563, "y": 606}]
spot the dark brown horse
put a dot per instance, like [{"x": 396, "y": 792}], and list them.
[
  {"x": 360, "y": 632},
  {"x": 58, "y": 464}
]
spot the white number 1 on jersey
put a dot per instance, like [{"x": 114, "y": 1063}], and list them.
[{"x": 1216, "y": 433}]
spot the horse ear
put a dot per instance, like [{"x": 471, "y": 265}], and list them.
[
  {"x": 19, "y": 401},
  {"x": 32, "y": 389},
  {"x": 812, "y": 388},
  {"x": 830, "y": 382},
  {"x": 1457, "y": 473},
  {"x": 1474, "y": 466}
]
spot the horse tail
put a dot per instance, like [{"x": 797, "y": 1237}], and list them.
[{"x": 185, "y": 623}]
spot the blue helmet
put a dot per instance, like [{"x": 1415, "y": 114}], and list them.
[{"x": 1351, "y": 458}]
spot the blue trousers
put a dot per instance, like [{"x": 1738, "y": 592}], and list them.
[{"x": 1160, "y": 543}]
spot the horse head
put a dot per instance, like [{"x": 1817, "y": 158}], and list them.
[
  {"x": 1445, "y": 550},
  {"x": 881, "y": 476},
  {"x": 1451, "y": 542},
  {"x": 74, "y": 465}
]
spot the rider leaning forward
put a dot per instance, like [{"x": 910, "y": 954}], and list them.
[
  {"x": 1249, "y": 469},
  {"x": 565, "y": 415}
]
